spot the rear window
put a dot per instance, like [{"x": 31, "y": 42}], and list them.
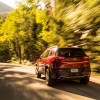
[{"x": 70, "y": 52}]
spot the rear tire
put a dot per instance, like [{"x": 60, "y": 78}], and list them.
[
  {"x": 49, "y": 80},
  {"x": 84, "y": 80}
]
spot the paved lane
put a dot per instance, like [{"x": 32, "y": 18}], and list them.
[{"x": 18, "y": 82}]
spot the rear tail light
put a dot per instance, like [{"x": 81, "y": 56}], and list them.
[
  {"x": 85, "y": 58},
  {"x": 58, "y": 58},
  {"x": 57, "y": 61}
]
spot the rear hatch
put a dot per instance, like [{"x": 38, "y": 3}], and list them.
[{"x": 72, "y": 58}]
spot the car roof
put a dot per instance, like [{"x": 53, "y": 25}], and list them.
[{"x": 70, "y": 47}]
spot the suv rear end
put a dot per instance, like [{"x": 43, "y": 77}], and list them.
[
  {"x": 72, "y": 63},
  {"x": 67, "y": 63}
]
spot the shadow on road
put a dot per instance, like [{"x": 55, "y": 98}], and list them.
[
  {"x": 14, "y": 86},
  {"x": 25, "y": 86},
  {"x": 92, "y": 90}
]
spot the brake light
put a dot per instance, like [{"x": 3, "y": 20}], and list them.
[
  {"x": 58, "y": 58},
  {"x": 85, "y": 58},
  {"x": 57, "y": 61}
]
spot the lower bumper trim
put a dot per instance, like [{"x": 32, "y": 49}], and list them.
[{"x": 73, "y": 77}]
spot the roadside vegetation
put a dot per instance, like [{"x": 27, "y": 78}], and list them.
[{"x": 27, "y": 31}]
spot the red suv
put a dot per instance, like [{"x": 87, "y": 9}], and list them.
[{"x": 63, "y": 63}]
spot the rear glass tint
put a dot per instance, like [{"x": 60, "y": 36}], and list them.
[{"x": 70, "y": 52}]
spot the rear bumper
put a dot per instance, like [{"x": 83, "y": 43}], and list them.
[
  {"x": 66, "y": 73},
  {"x": 73, "y": 77}
]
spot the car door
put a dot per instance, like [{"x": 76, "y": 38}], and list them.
[
  {"x": 42, "y": 62},
  {"x": 49, "y": 58}
]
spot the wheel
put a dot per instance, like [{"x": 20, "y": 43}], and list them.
[
  {"x": 84, "y": 80},
  {"x": 49, "y": 80},
  {"x": 38, "y": 75}
]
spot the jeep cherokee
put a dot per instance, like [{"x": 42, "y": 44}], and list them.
[{"x": 63, "y": 63}]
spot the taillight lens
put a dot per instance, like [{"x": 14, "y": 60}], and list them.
[
  {"x": 85, "y": 58},
  {"x": 58, "y": 58},
  {"x": 57, "y": 61}
]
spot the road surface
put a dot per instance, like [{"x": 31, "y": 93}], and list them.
[{"x": 19, "y": 82}]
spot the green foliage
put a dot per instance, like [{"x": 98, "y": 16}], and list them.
[
  {"x": 19, "y": 31},
  {"x": 29, "y": 31}
]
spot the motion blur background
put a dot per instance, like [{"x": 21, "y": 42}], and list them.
[{"x": 33, "y": 25}]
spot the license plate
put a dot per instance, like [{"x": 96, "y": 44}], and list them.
[{"x": 74, "y": 70}]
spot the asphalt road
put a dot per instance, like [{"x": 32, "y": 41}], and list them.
[{"x": 19, "y": 82}]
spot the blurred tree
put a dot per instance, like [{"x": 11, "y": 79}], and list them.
[
  {"x": 19, "y": 31},
  {"x": 29, "y": 31}
]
